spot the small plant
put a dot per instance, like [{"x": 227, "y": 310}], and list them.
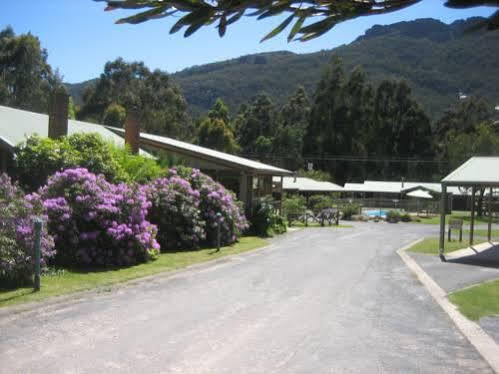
[{"x": 264, "y": 221}]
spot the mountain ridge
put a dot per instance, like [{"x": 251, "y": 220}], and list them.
[{"x": 436, "y": 59}]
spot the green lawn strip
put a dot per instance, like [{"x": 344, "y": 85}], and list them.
[
  {"x": 465, "y": 216},
  {"x": 430, "y": 246},
  {"x": 71, "y": 281},
  {"x": 478, "y": 301},
  {"x": 495, "y": 233},
  {"x": 315, "y": 224}
]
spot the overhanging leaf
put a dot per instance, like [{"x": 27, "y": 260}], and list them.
[{"x": 278, "y": 29}]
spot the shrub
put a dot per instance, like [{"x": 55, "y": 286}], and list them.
[
  {"x": 393, "y": 216},
  {"x": 264, "y": 221},
  {"x": 95, "y": 222},
  {"x": 38, "y": 158},
  {"x": 405, "y": 217},
  {"x": 175, "y": 210},
  {"x": 293, "y": 206},
  {"x": 138, "y": 168},
  {"x": 317, "y": 203},
  {"x": 349, "y": 210},
  {"x": 16, "y": 235},
  {"x": 215, "y": 198}
]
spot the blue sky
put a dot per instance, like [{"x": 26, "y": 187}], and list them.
[{"x": 80, "y": 37}]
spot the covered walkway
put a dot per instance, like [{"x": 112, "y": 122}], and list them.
[{"x": 479, "y": 174}]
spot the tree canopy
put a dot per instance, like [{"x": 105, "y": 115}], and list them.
[
  {"x": 124, "y": 85},
  {"x": 26, "y": 78},
  {"x": 309, "y": 19}
]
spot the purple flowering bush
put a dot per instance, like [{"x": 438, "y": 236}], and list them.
[
  {"x": 16, "y": 234},
  {"x": 214, "y": 198},
  {"x": 175, "y": 210},
  {"x": 95, "y": 222}
]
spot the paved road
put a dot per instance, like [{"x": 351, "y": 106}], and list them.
[{"x": 317, "y": 301}]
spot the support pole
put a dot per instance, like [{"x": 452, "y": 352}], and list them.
[
  {"x": 489, "y": 231},
  {"x": 219, "y": 223},
  {"x": 472, "y": 223},
  {"x": 443, "y": 202},
  {"x": 37, "y": 252},
  {"x": 282, "y": 196}
]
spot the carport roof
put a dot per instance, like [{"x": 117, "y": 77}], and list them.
[
  {"x": 206, "y": 154},
  {"x": 308, "y": 185},
  {"x": 476, "y": 171}
]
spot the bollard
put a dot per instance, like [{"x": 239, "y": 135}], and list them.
[
  {"x": 37, "y": 222},
  {"x": 219, "y": 216}
]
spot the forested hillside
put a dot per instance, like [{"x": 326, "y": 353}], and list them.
[{"x": 437, "y": 61}]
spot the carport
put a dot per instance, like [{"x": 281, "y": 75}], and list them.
[{"x": 476, "y": 173}]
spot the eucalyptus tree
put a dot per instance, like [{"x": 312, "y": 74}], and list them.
[
  {"x": 26, "y": 78},
  {"x": 307, "y": 19}
]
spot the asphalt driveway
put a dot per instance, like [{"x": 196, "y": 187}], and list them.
[{"x": 317, "y": 301}]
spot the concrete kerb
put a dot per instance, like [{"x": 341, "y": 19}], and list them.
[
  {"x": 483, "y": 343},
  {"x": 11, "y": 311}
]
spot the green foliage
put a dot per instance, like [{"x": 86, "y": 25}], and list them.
[
  {"x": 317, "y": 203},
  {"x": 293, "y": 122},
  {"x": 38, "y": 158},
  {"x": 264, "y": 221},
  {"x": 393, "y": 216},
  {"x": 318, "y": 175},
  {"x": 26, "y": 78},
  {"x": 132, "y": 85},
  {"x": 114, "y": 115},
  {"x": 349, "y": 210},
  {"x": 405, "y": 217},
  {"x": 319, "y": 16},
  {"x": 293, "y": 205},
  {"x": 256, "y": 127},
  {"x": 138, "y": 168},
  {"x": 437, "y": 60},
  {"x": 215, "y": 131}
]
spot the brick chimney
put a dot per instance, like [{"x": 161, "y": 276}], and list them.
[
  {"x": 132, "y": 130},
  {"x": 58, "y": 115}
]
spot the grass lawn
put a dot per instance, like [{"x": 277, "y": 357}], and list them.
[
  {"x": 315, "y": 224},
  {"x": 70, "y": 281},
  {"x": 430, "y": 246},
  {"x": 478, "y": 301},
  {"x": 495, "y": 233},
  {"x": 465, "y": 216}
]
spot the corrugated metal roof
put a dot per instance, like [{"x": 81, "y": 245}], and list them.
[
  {"x": 477, "y": 170},
  {"x": 397, "y": 187},
  {"x": 210, "y": 155},
  {"x": 308, "y": 185},
  {"x": 422, "y": 194},
  {"x": 16, "y": 125}
]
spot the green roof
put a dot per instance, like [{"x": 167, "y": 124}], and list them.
[{"x": 16, "y": 125}]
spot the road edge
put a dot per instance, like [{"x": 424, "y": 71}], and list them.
[
  {"x": 483, "y": 343},
  {"x": 16, "y": 310}
]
